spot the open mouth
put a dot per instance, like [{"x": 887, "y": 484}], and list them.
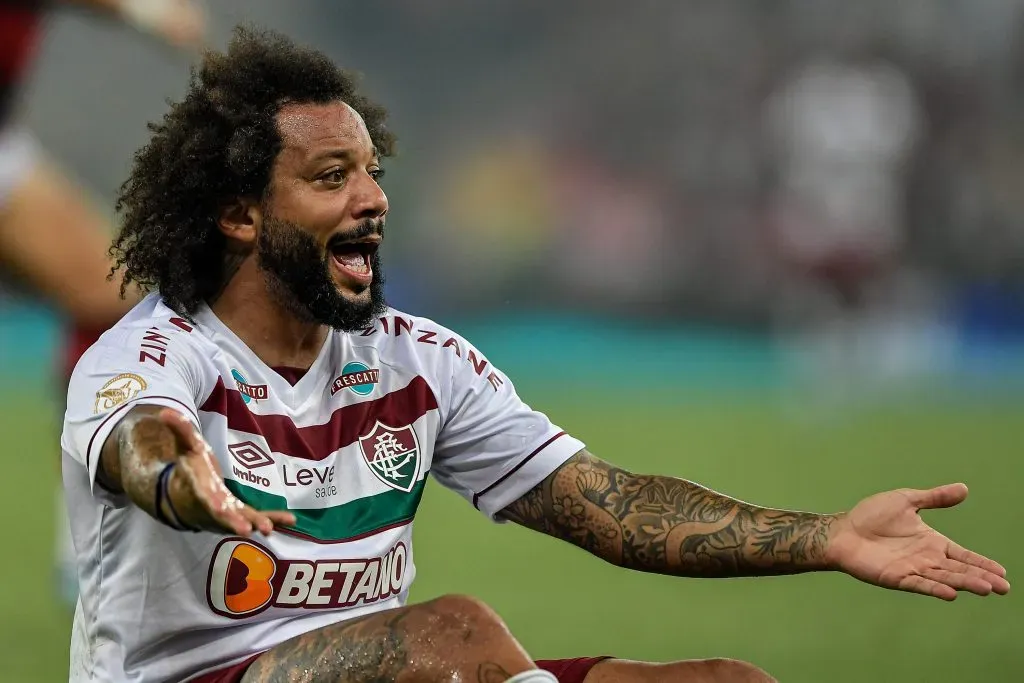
[{"x": 353, "y": 258}]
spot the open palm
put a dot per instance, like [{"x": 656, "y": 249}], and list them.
[
  {"x": 209, "y": 504},
  {"x": 884, "y": 541}
]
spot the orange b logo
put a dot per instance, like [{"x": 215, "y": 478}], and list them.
[{"x": 240, "y": 578}]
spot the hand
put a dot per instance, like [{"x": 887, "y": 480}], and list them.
[
  {"x": 179, "y": 23},
  {"x": 197, "y": 488},
  {"x": 885, "y": 542}
]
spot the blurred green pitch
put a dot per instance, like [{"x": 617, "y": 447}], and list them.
[{"x": 562, "y": 603}]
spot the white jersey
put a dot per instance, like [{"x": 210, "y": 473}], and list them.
[{"x": 347, "y": 449}]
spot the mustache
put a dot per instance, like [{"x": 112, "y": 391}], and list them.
[{"x": 369, "y": 228}]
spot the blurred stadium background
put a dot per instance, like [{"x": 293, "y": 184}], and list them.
[{"x": 777, "y": 248}]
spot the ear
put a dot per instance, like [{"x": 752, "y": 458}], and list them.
[{"x": 240, "y": 220}]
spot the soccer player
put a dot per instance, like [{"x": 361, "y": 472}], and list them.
[{"x": 245, "y": 451}]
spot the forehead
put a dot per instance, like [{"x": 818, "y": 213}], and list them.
[{"x": 308, "y": 128}]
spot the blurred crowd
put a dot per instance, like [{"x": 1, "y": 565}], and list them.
[{"x": 733, "y": 161}]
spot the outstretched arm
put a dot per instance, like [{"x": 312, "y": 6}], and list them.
[
  {"x": 672, "y": 526},
  {"x": 667, "y": 525},
  {"x": 148, "y": 440}
]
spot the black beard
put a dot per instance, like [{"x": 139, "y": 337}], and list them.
[{"x": 298, "y": 275}]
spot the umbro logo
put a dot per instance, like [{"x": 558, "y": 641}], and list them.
[{"x": 249, "y": 455}]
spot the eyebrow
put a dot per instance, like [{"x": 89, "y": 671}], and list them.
[{"x": 340, "y": 153}]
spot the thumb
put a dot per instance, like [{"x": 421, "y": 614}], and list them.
[
  {"x": 182, "y": 427},
  {"x": 945, "y": 496}
]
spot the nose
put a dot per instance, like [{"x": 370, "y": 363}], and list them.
[{"x": 369, "y": 200}]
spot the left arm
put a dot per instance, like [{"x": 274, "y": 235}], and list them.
[
  {"x": 667, "y": 525},
  {"x": 493, "y": 448},
  {"x": 671, "y": 526}
]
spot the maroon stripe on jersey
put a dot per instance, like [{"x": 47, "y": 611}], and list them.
[
  {"x": 476, "y": 496},
  {"x": 312, "y": 539},
  {"x": 398, "y": 409}
]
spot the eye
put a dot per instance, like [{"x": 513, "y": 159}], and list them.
[
  {"x": 335, "y": 177},
  {"x": 377, "y": 174}
]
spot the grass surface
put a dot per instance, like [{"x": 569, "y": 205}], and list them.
[{"x": 563, "y": 603}]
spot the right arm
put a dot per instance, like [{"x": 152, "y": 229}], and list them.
[
  {"x": 132, "y": 423},
  {"x": 149, "y": 439},
  {"x": 134, "y": 455}
]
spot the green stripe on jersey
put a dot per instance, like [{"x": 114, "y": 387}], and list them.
[{"x": 359, "y": 517}]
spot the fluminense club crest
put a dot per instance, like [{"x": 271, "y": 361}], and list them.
[{"x": 393, "y": 454}]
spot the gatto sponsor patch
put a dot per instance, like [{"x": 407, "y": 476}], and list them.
[{"x": 249, "y": 392}]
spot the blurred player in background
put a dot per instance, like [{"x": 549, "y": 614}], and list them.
[
  {"x": 842, "y": 130},
  {"x": 265, "y": 385},
  {"x": 53, "y": 240}
]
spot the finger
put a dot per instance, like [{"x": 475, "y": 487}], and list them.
[
  {"x": 238, "y": 526},
  {"x": 939, "y": 497},
  {"x": 232, "y": 516},
  {"x": 960, "y": 582},
  {"x": 227, "y": 519},
  {"x": 265, "y": 522},
  {"x": 957, "y": 552},
  {"x": 998, "y": 583},
  {"x": 281, "y": 517},
  {"x": 924, "y": 586},
  {"x": 219, "y": 504},
  {"x": 260, "y": 522}
]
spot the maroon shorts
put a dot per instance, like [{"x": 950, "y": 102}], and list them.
[{"x": 566, "y": 670}]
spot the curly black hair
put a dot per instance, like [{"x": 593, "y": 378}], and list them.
[{"x": 218, "y": 143}]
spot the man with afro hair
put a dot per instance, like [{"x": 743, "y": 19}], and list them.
[{"x": 244, "y": 453}]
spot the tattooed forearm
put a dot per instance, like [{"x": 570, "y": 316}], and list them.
[{"x": 668, "y": 525}]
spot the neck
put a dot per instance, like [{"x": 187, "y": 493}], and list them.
[{"x": 268, "y": 328}]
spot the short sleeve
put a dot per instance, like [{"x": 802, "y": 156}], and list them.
[
  {"x": 492, "y": 447},
  {"x": 116, "y": 374}
]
